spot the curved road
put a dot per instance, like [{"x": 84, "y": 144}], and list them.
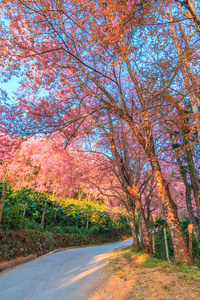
[{"x": 70, "y": 274}]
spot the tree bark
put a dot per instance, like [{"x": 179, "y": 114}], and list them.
[
  {"x": 148, "y": 218},
  {"x": 43, "y": 217},
  {"x": 142, "y": 222},
  {"x": 194, "y": 181},
  {"x": 188, "y": 189},
  {"x": 24, "y": 213},
  {"x": 166, "y": 244},
  {"x": 136, "y": 244},
  {"x": 80, "y": 194},
  {"x": 190, "y": 231},
  {"x": 191, "y": 212},
  {"x": 181, "y": 251}
]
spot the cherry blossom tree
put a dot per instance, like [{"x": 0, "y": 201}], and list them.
[{"x": 80, "y": 60}]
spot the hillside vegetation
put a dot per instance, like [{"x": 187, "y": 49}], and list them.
[{"x": 33, "y": 223}]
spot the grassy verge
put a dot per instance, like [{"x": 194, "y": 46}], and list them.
[{"x": 140, "y": 276}]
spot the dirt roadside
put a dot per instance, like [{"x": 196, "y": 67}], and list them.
[{"x": 130, "y": 279}]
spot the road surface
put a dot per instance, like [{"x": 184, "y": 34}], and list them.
[{"x": 70, "y": 274}]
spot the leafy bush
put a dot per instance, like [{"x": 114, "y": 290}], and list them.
[{"x": 24, "y": 208}]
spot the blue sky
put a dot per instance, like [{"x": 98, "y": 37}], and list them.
[{"x": 10, "y": 86}]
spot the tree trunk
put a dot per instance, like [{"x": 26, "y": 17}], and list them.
[
  {"x": 142, "y": 222},
  {"x": 148, "y": 218},
  {"x": 87, "y": 197},
  {"x": 3, "y": 196},
  {"x": 194, "y": 181},
  {"x": 187, "y": 191},
  {"x": 181, "y": 251},
  {"x": 153, "y": 240},
  {"x": 191, "y": 213},
  {"x": 166, "y": 244},
  {"x": 43, "y": 217},
  {"x": 24, "y": 213},
  {"x": 136, "y": 244},
  {"x": 144, "y": 228},
  {"x": 140, "y": 232},
  {"x": 190, "y": 232},
  {"x": 80, "y": 194}
]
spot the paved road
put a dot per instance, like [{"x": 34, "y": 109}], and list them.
[{"x": 70, "y": 274}]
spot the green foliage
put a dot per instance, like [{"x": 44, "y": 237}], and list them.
[
  {"x": 160, "y": 243},
  {"x": 24, "y": 208}
]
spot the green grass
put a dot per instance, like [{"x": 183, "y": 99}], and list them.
[
  {"x": 148, "y": 261},
  {"x": 152, "y": 262}
]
